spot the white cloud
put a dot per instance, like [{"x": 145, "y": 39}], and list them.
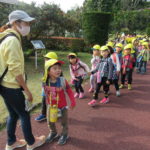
[{"x": 64, "y": 4}]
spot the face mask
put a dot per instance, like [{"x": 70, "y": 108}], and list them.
[{"x": 24, "y": 30}]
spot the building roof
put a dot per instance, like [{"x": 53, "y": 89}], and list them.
[{"x": 9, "y": 1}]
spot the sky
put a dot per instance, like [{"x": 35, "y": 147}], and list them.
[{"x": 64, "y": 4}]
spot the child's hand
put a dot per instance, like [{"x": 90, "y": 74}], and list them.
[
  {"x": 118, "y": 72},
  {"x": 76, "y": 79},
  {"x": 107, "y": 82},
  {"x": 124, "y": 71},
  {"x": 89, "y": 73}
]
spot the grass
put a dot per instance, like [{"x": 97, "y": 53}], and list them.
[{"x": 34, "y": 77}]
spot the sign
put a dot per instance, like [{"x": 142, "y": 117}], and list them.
[{"x": 38, "y": 45}]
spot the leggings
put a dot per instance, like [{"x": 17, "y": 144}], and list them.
[
  {"x": 93, "y": 81},
  {"x": 115, "y": 82},
  {"x": 129, "y": 76},
  {"x": 105, "y": 88},
  {"x": 78, "y": 84}
]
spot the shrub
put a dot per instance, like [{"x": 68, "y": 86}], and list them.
[{"x": 95, "y": 27}]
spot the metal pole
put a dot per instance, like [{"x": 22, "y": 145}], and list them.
[{"x": 35, "y": 59}]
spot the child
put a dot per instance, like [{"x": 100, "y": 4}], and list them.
[
  {"x": 104, "y": 75},
  {"x": 116, "y": 70},
  {"x": 56, "y": 88},
  {"x": 119, "y": 48},
  {"x": 127, "y": 66},
  {"x": 78, "y": 70},
  {"x": 94, "y": 61},
  {"x": 143, "y": 58},
  {"x": 42, "y": 116}
]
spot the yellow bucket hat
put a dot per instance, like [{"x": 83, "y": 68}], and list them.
[
  {"x": 72, "y": 54},
  {"x": 103, "y": 48},
  {"x": 51, "y": 55},
  {"x": 96, "y": 47},
  {"x": 119, "y": 45},
  {"x": 48, "y": 64},
  {"x": 111, "y": 44}
]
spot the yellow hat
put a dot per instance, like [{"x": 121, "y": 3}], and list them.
[
  {"x": 119, "y": 45},
  {"x": 128, "y": 46},
  {"x": 72, "y": 54},
  {"x": 96, "y": 47},
  {"x": 51, "y": 55},
  {"x": 111, "y": 44},
  {"x": 48, "y": 64},
  {"x": 145, "y": 44},
  {"x": 133, "y": 40},
  {"x": 103, "y": 48}
]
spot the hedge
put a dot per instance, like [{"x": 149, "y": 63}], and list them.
[
  {"x": 63, "y": 43},
  {"x": 95, "y": 27}
]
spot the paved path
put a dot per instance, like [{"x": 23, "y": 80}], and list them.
[{"x": 123, "y": 124}]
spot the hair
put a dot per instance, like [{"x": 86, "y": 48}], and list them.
[
  {"x": 5, "y": 27},
  {"x": 72, "y": 57}
]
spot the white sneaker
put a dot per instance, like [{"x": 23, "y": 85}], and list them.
[
  {"x": 18, "y": 144},
  {"x": 39, "y": 141},
  {"x": 118, "y": 93}
]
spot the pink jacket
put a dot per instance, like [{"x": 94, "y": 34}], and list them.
[{"x": 78, "y": 69}]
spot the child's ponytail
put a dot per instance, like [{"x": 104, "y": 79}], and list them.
[{"x": 5, "y": 27}]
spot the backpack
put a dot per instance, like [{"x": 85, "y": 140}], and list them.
[{"x": 1, "y": 40}]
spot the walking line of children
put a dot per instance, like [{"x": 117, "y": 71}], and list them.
[{"x": 109, "y": 63}]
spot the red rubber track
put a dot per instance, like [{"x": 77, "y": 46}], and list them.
[{"x": 123, "y": 124}]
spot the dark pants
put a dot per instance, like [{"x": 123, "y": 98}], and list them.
[
  {"x": 64, "y": 122},
  {"x": 78, "y": 85},
  {"x": 142, "y": 66},
  {"x": 43, "y": 106},
  {"x": 15, "y": 103},
  {"x": 129, "y": 76},
  {"x": 105, "y": 88},
  {"x": 115, "y": 82}
]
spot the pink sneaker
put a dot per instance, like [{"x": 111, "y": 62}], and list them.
[
  {"x": 104, "y": 100},
  {"x": 92, "y": 102},
  {"x": 91, "y": 90},
  {"x": 76, "y": 95},
  {"x": 81, "y": 95}
]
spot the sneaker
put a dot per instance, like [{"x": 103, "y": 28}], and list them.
[
  {"x": 51, "y": 137},
  {"x": 118, "y": 93},
  {"x": 81, "y": 95},
  {"x": 39, "y": 141},
  {"x": 104, "y": 100},
  {"x": 76, "y": 95},
  {"x": 121, "y": 86},
  {"x": 63, "y": 139},
  {"x": 91, "y": 90},
  {"x": 129, "y": 87},
  {"x": 18, "y": 144},
  {"x": 92, "y": 102},
  {"x": 40, "y": 118}
]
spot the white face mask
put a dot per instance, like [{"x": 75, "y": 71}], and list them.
[{"x": 24, "y": 30}]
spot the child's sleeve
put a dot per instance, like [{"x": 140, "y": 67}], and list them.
[
  {"x": 118, "y": 63},
  {"x": 86, "y": 67},
  {"x": 70, "y": 94},
  {"x": 110, "y": 72},
  {"x": 96, "y": 69},
  {"x": 71, "y": 73}
]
